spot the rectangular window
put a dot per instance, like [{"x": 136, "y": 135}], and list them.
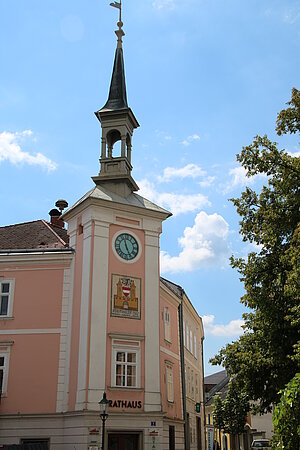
[
  {"x": 184, "y": 340},
  {"x": 1, "y": 373},
  {"x": 126, "y": 365},
  {"x": 4, "y": 363},
  {"x": 171, "y": 437},
  {"x": 195, "y": 346},
  {"x": 170, "y": 386},
  {"x": 192, "y": 384},
  {"x": 191, "y": 341},
  {"x": 167, "y": 325},
  {"x": 187, "y": 337},
  {"x": 6, "y": 298}
]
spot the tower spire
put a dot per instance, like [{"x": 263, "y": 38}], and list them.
[
  {"x": 117, "y": 122},
  {"x": 117, "y": 98}
]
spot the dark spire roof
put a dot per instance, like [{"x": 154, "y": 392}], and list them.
[{"x": 117, "y": 98}]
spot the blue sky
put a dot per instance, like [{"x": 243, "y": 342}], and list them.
[{"x": 203, "y": 78}]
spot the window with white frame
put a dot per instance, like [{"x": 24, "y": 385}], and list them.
[
  {"x": 187, "y": 337},
  {"x": 4, "y": 362},
  {"x": 184, "y": 339},
  {"x": 195, "y": 345},
  {"x": 170, "y": 384},
  {"x": 6, "y": 297},
  {"x": 197, "y": 388},
  {"x": 167, "y": 321},
  {"x": 126, "y": 366},
  {"x": 191, "y": 341},
  {"x": 192, "y": 384}
]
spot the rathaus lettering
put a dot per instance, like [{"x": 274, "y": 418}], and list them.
[{"x": 125, "y": 404}]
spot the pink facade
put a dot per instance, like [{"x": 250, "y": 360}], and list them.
[
  {"x": 33, "y": 333},
  {"x": 170, "y": 356}
]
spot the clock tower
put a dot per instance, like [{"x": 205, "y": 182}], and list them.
[{"x": 114, "y": 338}]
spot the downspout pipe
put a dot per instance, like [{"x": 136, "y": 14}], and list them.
[
  {"x": 182, "y": 365},
  {"x": 203, "y": 393}
]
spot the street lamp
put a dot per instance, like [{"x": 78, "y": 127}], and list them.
[{"x": 103, "y": 414}]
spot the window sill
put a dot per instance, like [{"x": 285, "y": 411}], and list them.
[
  {"x": 124, "y": 388},
  {"x": 6, "y": 317}
]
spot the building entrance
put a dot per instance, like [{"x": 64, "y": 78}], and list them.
[{"x": 123, "y": 442}]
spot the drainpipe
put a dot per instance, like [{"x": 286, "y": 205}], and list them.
[
  {"x": 203, "y": 393},
  {"x": 181, "y": 344}
]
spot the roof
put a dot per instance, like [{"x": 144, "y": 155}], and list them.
[
  {"x": 117, "y": 98},
  {"x": 38, "y": 234},
  {"x": 216, "y": 383},
  {"x": 215, "y": 378},
  {"x": 175, "y": 288},
  {"x": 100, "y": 193}
]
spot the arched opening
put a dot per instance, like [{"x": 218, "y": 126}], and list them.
[{"x": 113, "y": 140}]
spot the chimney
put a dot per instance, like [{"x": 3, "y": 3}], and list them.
[
  {"x": 55, "y": 215},
  {"x": 55, "y": 218}
]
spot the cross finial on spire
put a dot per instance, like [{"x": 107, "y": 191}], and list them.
[{"x": 120, "y": 33}]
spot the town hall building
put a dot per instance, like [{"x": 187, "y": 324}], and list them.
[{"x": 84, "y": 311}]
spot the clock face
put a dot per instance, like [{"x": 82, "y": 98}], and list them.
[{"x": 126, "y": 246}]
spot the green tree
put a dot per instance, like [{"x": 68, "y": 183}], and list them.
[
  {"x": 266, "y": 357},
  {"x": 230, "y": 414},
  {"x": 286, "y": 418},
  {"x": 218, "y": 413}
]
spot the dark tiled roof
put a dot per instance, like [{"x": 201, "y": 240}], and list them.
[
  {"x": 117, "y": 98},
  {"x": 215, "y": 378},
  {"x": 175, "y": 288},
  {"x": 220, "y": 389},
  {"x": 38, "y": 234}
]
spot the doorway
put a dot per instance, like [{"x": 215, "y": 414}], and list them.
[{"x": 123, "y": 441}]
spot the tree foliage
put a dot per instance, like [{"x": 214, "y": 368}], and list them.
[
  {"x": 218, "y": 413},
  {"x": 286, "y": 418},
  {"x": 266, "y": 356},
  {"x": 230, "y": 414}
]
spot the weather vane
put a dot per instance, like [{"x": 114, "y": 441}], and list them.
[{"x": 120, "y": 33}]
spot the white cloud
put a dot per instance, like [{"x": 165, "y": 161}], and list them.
[
  {"x": 208, "y": 181},
  {"x": 203, "y": 245},
  {"x": 190, "y": 170},
  {"x": 233, "y": 328},
  {"x": 294, "y": 154},
  {"x": 187, "y": 141},
  {"x": 161, "y": 4},
  {"x": 240, "y": 179},
  {"x": 10, "y": 150},
  {"x": 176, "y": 203}
]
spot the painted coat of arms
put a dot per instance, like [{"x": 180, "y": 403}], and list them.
[{"x": 126, "y": 297}]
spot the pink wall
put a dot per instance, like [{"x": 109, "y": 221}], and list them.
[
  {"x": 33, "y": 363},
  {"x": 37, "y": 297},
  {"x": 33, "y": 372},
  {"x": 172, "y": 409}
]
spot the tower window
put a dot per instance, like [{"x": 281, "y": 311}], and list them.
[{"x": 126, "y": 365}]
